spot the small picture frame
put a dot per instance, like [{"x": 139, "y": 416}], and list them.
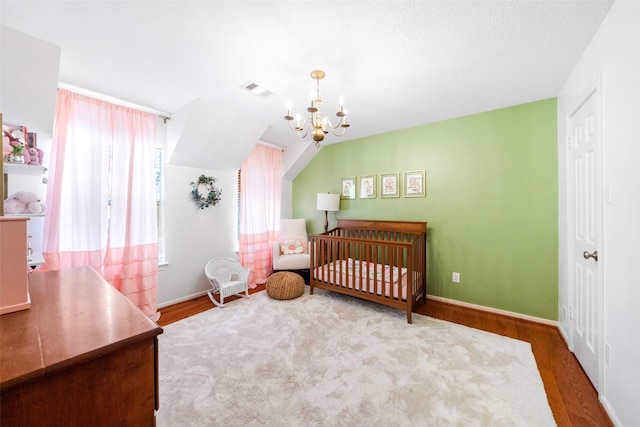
[
  {"x": 368, "y": 187},
  {"x": 389, "y": 187},
  {"x": 348, "y": 188},
  {"x": 414, "y": 184}
]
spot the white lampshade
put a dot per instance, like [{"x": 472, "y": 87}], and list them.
[{"x": 328, "y": 202}]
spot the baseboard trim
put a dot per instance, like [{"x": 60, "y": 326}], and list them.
[
  {"x": 183, "y": 299},
  {"x": 609, "y": 410},
  {"x": 564, "y": 334},
  {"x": 494, "y": 310},
  {"x": 431, "y": 297}
]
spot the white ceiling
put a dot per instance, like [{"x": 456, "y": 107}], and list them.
[{"x": 397, "y": 63}]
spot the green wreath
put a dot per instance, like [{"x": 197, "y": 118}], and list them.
[{"x": 213, "y": 195}]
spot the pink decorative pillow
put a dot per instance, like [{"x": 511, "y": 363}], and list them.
[{"x": 293, "y": 245}]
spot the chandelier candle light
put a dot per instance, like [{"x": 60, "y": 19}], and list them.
[{"x": 318, "y": 125}]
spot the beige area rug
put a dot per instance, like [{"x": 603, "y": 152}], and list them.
[{"x": 331, "y": 360}]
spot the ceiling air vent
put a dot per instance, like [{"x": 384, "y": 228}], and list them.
[{"x": 257, "y": 90}]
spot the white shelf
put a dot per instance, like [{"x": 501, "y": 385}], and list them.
[
  {"x": 35, "y": 260},
  {"x": 21, "y": 169},
  {"x": 35, "y": 224},
  {"x": 27, "y": 215}
]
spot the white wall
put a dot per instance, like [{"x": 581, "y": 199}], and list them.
[
  {"x": 29, "y": 80},
  {"x": 29, "y": 70},
  {"x": 613, "y": 57},
  {"x": 194, "y": 236},
  {"x": 286, "y": 208}
]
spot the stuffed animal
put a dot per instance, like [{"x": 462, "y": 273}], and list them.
[
  {"x": 24, "y": 202},
  {"x": 6, "y": 144},
  {"x": 26, "y": 156},
  {"x": 12, "y": 206},
  {"x": 34, "y": 157},
  {"x": 40, "y": 156}
]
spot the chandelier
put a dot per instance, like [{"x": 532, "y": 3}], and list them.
[{"x": 318, "y": 125}]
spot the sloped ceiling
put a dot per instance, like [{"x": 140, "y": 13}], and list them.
[
  {"x": 397, "y": 63},
  {"x": 34, "y": 103}
]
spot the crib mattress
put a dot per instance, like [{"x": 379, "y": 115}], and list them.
[{"x": 372, "y": 278}]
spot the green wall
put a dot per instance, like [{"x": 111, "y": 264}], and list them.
[{"x": 491, "y": 202}]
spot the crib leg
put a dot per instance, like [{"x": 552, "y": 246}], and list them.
[{"x": 409, "y": 316}]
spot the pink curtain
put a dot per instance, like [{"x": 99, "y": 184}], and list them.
[
  {"x": 260, "y": 189},
  {"x": 101, "y": 196}
]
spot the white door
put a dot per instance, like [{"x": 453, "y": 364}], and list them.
[{"x": 584, "y": 144}]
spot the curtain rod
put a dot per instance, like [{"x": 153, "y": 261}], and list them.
[
  {"x": 162, "y": 114},
  {"x": 269, "y": 144}
]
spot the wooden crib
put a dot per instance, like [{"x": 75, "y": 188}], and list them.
[{"x": 379, "y": 261}]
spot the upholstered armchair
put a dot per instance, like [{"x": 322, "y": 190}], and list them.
[{"x": 291, "y": 249}]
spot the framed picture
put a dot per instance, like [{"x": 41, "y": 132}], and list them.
[
  {"x": 414, "y": 184},
  {"x": 368, "y": 187},
  {"x": 389, "y": 185},
  {"x": 348, "y": 188},
  {"x": 15, "y": 132}
]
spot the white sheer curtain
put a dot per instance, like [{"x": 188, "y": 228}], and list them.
[
  {"x": 261, "y": 190},
  {"x": 101, "y": 195}
]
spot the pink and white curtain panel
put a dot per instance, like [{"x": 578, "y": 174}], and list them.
[
  {"x": 101, "y": 196},
  {"x": 260, "y": 189}
]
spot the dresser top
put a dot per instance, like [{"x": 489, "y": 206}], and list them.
[{"x": 75, "y": 316}]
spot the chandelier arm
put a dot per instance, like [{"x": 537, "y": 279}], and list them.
[
  {"x": 306, "y": 131},
  {"x": 338, "y": 125},
  {"x": 333, "y": 130},
  {"x": 302, "y": 125}
]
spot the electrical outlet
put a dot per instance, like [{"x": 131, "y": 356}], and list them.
[{"x": 455, "y": 277}]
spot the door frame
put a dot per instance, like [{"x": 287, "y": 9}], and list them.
[{"x": 595, "y": 91}]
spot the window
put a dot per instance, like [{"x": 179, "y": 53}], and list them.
[
  {"x": 102, "y": 201},
  {"x": 160, "y": 207},
  {"x": 238, "y": 205},
  {"x": 159, "y": 169}
]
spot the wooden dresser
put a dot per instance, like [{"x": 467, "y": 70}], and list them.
[
  {"x": 14, "y": 292},
  {"x": 82, "y": 355}
]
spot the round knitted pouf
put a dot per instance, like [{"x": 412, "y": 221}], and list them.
[{"x": 285, "y": 285}]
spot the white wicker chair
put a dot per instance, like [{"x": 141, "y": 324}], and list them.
[{"x": 227, "y": 277}]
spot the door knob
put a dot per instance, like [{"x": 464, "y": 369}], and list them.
[{"x": 593, "y": 255}]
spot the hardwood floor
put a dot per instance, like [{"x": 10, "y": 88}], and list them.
[
  {"x": 572, "y": 398},
  {"x": 182, "y": 310}
]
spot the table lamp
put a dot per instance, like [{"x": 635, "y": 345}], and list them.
[{"x": 328, "y": 202}]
